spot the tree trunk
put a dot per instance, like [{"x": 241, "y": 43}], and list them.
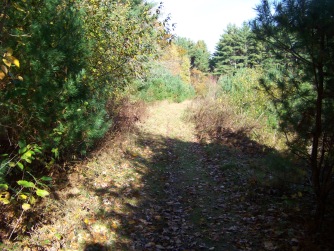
[
  {"x": 319, "y": 185},
  {"x": 321, "y": 208}
]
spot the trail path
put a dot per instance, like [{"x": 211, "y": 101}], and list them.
[{"x": 160, "y": 189}]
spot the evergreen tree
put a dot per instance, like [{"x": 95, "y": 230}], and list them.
[
  {"x": 197, "y": 52},
  {"x": 184, "y": 43},
  {"x": 230, "y": 51},
  {"x": 54, "y": 105},
  {"x": 300, "y": 32},
  {"x": 257, "y": 55},
  {"x": 237, "y": 48},
  {"x": 199, "y": 56}
]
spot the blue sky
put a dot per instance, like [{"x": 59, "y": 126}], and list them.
[{"x": 207, "y": 19}]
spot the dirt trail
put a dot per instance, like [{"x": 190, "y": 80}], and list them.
[
  {"x": 192, "y": 197},
  {"x": 160, "y": 189}
]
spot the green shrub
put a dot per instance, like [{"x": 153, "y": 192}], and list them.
[
  {"x": 244, "y": 91},
  {"x": 51, "y": 110},
  {"x": 162, "y": 85},
  {"x": 248, "y": 98},
  {"x": 54, "y": 106}
]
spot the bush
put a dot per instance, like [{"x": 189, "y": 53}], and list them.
[
  {"x": 249, "y": 99},
  {"x": 58, "y": 72},
  {"x": 54, "y": 105},
  {"x": 214, "y": 116},
  {"x": 162, "y": 85},
  {"x": 201, "y": 82},
  {"x": 49, "y": 111}
]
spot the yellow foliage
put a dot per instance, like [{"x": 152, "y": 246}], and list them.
[
  {"x": 175, "y": 59},
  {"x": 26, "y": 206},
  {"x": 200, "y": 81},
  {"x": 7, "y": 62},
  {"x": 23, "y": 196},
  {"x": 16, "y": 62},
  {"x": 9, "y": 59},
  {"x": 2, "y": 75},
  {"x": 5, "y": 197}
]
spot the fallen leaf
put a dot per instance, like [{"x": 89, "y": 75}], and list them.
[{"x": 26, "y": 206}]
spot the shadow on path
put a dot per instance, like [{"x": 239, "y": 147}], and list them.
[{"x": 193, "y": 196}]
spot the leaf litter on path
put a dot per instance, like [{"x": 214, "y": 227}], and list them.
[{"x": 161, "y": 189}]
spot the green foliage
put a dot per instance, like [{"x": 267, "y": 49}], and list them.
[
  {"x": 54, "y": 87},
  {"x": 197, "y": 52},
  {"x": 237, "y": 48},
  {"x": 200, "y": 55},
  {"x": 160, "y": 84},
  {"x": 58, "y": 77},
  {"x": 300, "y": 33},
  {"x": 22, "y": 191},
  {"x": 72, "y": 66},
  {"x": 245, "y": 93},
  {"x": 251, "y": 100},
  {"x": 123, "y": 37}
]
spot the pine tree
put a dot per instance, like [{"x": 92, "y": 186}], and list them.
[
  {"x": 200, "y": 56},
  {"x": 301, "y": 33},
  {"x": 237, "y": 48},
  {"x": 54, "y": 105},
  {"x": 229, "y": 53},
  {"x": 197, "y": 52}
]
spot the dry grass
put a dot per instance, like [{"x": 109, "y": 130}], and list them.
[
  {"x": 78, "y": 211},
  {"x": 216, "y": 119},
  {"x": 166, "y": 119},
  {"x": 212, "y": 117}
]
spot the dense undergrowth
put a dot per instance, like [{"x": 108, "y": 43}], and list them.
[
  {"x": 161, "y": 84},
  {"x": 237, "y": 103}
]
